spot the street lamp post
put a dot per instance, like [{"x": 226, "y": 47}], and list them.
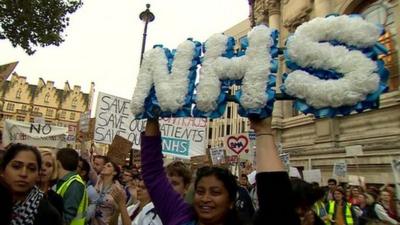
[{"x": 146, "y": 16}]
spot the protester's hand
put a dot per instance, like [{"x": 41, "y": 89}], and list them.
[
  {"x": 119, "y": 196},
  {"x": 261, "y": 125}
]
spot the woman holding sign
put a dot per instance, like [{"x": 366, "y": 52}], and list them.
[{"x": 215, "y": 188}]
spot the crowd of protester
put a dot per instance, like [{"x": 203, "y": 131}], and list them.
[{"x": 40, "y": 186}]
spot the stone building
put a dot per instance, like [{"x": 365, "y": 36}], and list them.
[
  {"x": 22, "y": 101},
  {"x": 319, "y": 143}
]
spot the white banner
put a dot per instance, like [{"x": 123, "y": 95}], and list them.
[
  {"x": 34, "y": 134},
  {"x": 182, "y": 137}
]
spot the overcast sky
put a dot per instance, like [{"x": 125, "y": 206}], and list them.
[{"x": 103, "y": 41}]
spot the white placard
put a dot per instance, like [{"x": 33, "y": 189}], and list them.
[
  {"x": 354, "y": 150},
  {"x": 84, "y": 122},
  {"x": 252, "y": 177},
  {"x": 182, "y": 137},
  {"x": 294, "y": 172},
  {"x": 340, "y": 169},
  {"x": 217, "y": 156},
  {"x": 312, "y": 175},
  {"x": 285, "y": 157},
  {"x": 356, "y": 180},
  {"x": 35, "y": 134}
]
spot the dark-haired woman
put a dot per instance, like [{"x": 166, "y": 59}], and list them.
[
  {"x": 20, "y": 170},
  {"x": 106, "y": 212},
  {"x": 215, "y": 188}
]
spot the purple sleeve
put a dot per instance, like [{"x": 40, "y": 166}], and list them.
[{"x": 169, "y": 205}]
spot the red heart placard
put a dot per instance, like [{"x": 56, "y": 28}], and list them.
[{"x": 238, "y": 144}]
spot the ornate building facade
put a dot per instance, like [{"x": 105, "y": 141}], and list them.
[
  {"x": 22, "y": 101},
  {"x": 320, "y": 143}
]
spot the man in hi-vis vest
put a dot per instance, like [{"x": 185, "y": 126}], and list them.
[{"x": 71, "y": 187}]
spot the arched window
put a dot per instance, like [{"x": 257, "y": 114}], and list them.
[
  {"x": 46, "y": 98},
  {"x": 383, "y": 12},
  {"x": 18, "y": 95}
]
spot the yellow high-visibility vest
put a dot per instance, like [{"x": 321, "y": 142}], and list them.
[
  {"x": 349, "y": 217},
  {"x": 83, "y": 205}
]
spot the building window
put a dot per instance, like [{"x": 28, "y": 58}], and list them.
[
  {"x": 36, "y": 109},
  {"x": 18, "y": 95},
  {"x": 63, "y": 114},
  {"x": 74, "y": 102},
  {"x": 10, "y": 107},
  {"x": 243, "y": 126},
  {"x": 23, "y": 107},
  {"x": 229, "y": 112},
  {"x": 46, "y": 98},
  {"x": 72, "y": 116},
  {"x": 210, "y": 133},
  {"x": 9, "y": 117},
  {"x": 228, "y": 129},
  {"x": 49, "y": 112},
  {"x": 20, "y": 118},
  {"x": 31, "y": 120},
  {"x": 383, "y": 12}
]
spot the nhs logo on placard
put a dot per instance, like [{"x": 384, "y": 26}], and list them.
[{"x": 176, "y": 147}]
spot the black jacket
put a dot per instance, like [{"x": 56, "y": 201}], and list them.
[{"x": 47, "y": 214}]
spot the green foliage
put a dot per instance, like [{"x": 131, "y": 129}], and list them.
[{"x": 31, "y": 23}]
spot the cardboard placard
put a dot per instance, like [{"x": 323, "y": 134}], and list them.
[{"x": 119, "y": 150}]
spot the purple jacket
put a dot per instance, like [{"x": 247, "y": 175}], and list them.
[{"x": 169, "y": 205}]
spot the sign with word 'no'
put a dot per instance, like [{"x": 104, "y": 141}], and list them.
[
  {"x": 237, "y": 144},
  {"x": 182, "y": 137},
  {"x": 42, "y": 135}
]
